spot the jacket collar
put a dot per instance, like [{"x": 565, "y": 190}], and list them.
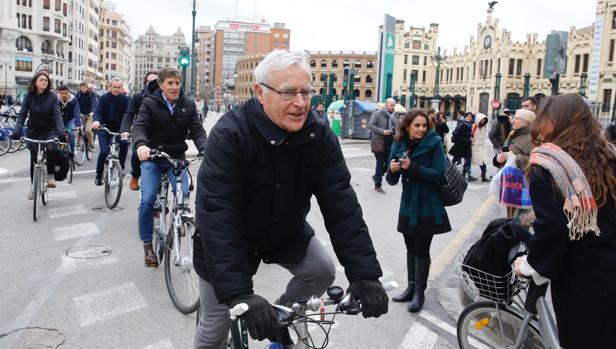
[
  {"x": 426, "y": 145},
  {"x": 157, "y": 95},
  {"x": 273, "y": 134}
]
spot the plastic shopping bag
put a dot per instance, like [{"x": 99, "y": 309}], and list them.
[
  {"x": 514, "y": 189},
  {"x": 495, "y": 184}
]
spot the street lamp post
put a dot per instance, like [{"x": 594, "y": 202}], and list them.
[
  {"x": 412, "y": 90},
  {"x": 436, "y": 98},
  {"x": 6, "y": 68},
  {"x": 526, "y": 84},
  {"x": 388, "y": 85},
  {"x": 583, "y": 79},
  {"x": 193, "y": 64},
  {"x": 496, "y": 92}
]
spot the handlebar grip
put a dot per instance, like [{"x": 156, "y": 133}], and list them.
[{"x": 238, "y": 310}]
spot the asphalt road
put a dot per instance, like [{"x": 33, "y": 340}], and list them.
[{"x": 50, "y": 300}]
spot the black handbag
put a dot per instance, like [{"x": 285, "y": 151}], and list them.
[{"x": 452, "y": 191}]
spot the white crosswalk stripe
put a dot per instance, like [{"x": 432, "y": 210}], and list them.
[
  {"x": 108, "y": 304},
  {"x": 62, "y": 195},
  {"x": 75, "y": 231},
  {"x": 419, "y": 337},
  {"x": 66, "y": 211},
  {"x": 163, "y": 344}
]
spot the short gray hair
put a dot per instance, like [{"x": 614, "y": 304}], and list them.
[
  {"x": 116, "y": 79},
  {"x": 390, "y": 100},
  {"x": 279, "y": 60}
]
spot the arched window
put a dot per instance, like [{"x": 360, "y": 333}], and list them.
[
  {"x": 358, "y": 64},
  {"x": 323, "y": 63},
  {"x": 46, "y": 47},
  {"x": 313, "y": 63},
  {"x": 370, "y": 65},
  {"x": 368, "y": 79},
  {"x": 321, "y": 91},
  {"x": 368, "y": 93},
  {"x": 60, "y": 50},
  {"x": 357, "y": 93},
  {"x": 335, "y": 63},
  {"x": 345, "y": 64},
  {"x": 23, "y": 44},
  {"x": 357, "y": 79}
]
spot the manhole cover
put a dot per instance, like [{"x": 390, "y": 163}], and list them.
[
  {"x": 88, "y": 252},
  {"x": 104, "y": 208},
  {"x": 33, "y": 337}
]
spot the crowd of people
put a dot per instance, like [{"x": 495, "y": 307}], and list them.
[{"x": 265, "y": 159}]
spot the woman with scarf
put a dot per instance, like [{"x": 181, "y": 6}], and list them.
[
  {"x": 520, "y": 144},
  {"x": 572, "y": 182},
  {"x": 418, "y": 157}
]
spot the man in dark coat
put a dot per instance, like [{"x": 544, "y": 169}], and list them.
[
  {"x": 87, "y": 105},
  {"x": 109, "y": 112},
  {"x": 383, "y": 124},
  {"x": 127, "y": 124},
  {"x": 69, "y": 108},
  {"x": 165, "y": 118},
  {"x": 462, "y": 147},
  {"x": 263, "y": 162},
  {"x": 320, "y": 110}
]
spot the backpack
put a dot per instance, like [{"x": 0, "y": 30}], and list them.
[
  {"x": 452, "y": 191},
  {"x": 61, "y": 165}
]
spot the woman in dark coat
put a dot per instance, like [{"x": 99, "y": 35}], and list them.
[
  {"x": 574, "y": 245},
  {"x": 462, "y": 147},
  {"x": 417, "y": 156},
  {"x": 42, "y": 109}
]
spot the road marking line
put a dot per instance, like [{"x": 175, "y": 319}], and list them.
[
  {"x": 358, "y": 155},
  {"x": 454, "y": 246},
  {"x": 66, "y": 211},
  {"x": 71, "y": 265},
  {"x": 163, "y": 344},
  {"x": 62, "y": 195},
  {"x": 448, "y": 328},
  {"x": 75, "y": 231},
  {"x": 108, "y": 304},
  {"x": 361, "y": 169},
  {"x": 28, "y": 178},
  {"x": 419, "y": 337}
]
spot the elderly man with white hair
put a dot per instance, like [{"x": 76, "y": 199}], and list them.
[
  {"x": 383, "y": 124},
  {"x": 263, "y": 162}
]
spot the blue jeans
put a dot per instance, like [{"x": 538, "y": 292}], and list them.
[
  {"x": 70, "y": 127},
  {"x": 151, "y": 172},
  {"x": 104, "y": 139}
]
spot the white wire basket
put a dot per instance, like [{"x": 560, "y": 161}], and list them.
[{"x": 497, "y": 288}]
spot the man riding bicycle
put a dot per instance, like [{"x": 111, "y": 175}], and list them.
[
  {"x": 165, "y": 118},
  {"x": 87, "y": 100},
  {"x": 69, "y": 108},
  {"x": 109, "y": 112},
  {"x": 263, "y": 162}
]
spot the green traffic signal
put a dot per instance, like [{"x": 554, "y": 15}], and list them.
[
  {"x": 184, "y": 61},
  {"x": 184, "y": 58}
]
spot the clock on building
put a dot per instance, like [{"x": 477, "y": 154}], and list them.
[{"x": 487, "y": 42}]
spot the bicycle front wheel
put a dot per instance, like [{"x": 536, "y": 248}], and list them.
[
  {"x": 43, "y": 189},
  {"x": 36, "y": 184},
  {"x": 181, "y": 279},
  {"x": 113, "y": 185},
  {"x": 71, "y": 167},
  {"x": 80, "y": 150},
  {"x": 483, "y": 323},
  {"x": 5, "y": 142}
]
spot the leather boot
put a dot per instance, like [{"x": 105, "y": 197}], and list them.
[
  {"x": 407, "y": 295},
  {"x": 150, "y": 256},
  {"x": 484, "y": 169},
  {"x": 422, "y": 270}
]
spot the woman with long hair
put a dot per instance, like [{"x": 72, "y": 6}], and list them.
[
  {"x": 418, "y": 157},
  {"x": 572, "y": 178},
  {"x": 42, "y": 109},
  {"x": 480, "y": 134}
]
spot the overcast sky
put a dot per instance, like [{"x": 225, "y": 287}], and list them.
[{"x": 353, "y": 25}]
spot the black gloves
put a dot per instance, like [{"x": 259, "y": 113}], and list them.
[
  {"x": 374, "y": 300},
  {"x": 260, "y": 319},
  {"x": 16, "y": 136}
]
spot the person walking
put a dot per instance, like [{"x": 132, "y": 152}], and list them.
[
  {"x": 572, "y": 182},
  {"x": 42, "y": 109},
  {"x": 480, "y": 134},
  {"x": 383, "y": 124},
  {"x": 519, "y": 143},
  {"x": 417, "y": 156},
  {"x": 320, "y": 111},
  {"x": 462, "y": 143}
]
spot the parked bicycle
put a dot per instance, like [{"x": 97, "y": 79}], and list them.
[
  {"x": 304, "y": 311},
  {"x": 173, "y": 236},
  {"x": 513, "y": 315},
  {"x": 39, "y": 177},
  {"x": 112, "y": 173}
]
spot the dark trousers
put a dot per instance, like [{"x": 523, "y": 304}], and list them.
[
  {"x": 104, "y": 140},
  {"x": 51, "y": 157},
  {"x": 467, "y": 165},
  {"x": 382, "y": 160},
  {"x": 418, "y": 245},
  {"x": 135, "y": 164}
]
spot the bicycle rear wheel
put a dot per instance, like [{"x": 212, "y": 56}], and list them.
[
  {"x": 181, "y": 279},
  {"x": 113, "y": 184},
  {"x": 36, "y": 183},
  {"x": 15, "y": 145},
  {"x": 80, "y": 150},
  {"x": 483, "y": 323},
  {"x": 5, "y": 142},
  {"x": 71, "y": 167}
]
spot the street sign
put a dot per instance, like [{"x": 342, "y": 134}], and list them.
[
  {"x": 496, "y": 104},
  {"x": 387, "y": 51}
]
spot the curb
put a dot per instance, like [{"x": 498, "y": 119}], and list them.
[{"x": 4, "y": 173}]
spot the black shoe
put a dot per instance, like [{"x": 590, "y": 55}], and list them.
[
  {"x": 471, "y": 178},
  {"x": 379, "y": 190},
  {"x": 484, "y": 179},
  {"x": 98, "y": 182},
  {"x": 422, "y": 270},
  {"x": 407, "y": 295}
]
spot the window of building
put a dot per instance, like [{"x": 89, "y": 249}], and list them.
[
  {"x": 346, "y": 63},
  {"x": 30, "y": 22},
  {"x": 425, "y": 60},
  {"x": 368, "y": 93},
  {"x": 358, "y": 64},
  {"x": 313, "y": 63},
  {"x": 65, "y": 9},
  {"x": 46, "y": 4},
  {"x": 511, "y": 66},
  {"x": 415, "y": 60},
  {"x": 370, "y": 65},
  {"x": 611, "y": 57},
  {"x": 64, "y": 29},
  {"x": 323, "y": 63},
  {"x": 46, "y": 24},
  {"x": 335, "y": 63},
  {"x": 404, "y": 75},
  {"x": 407, "y": 45},
  {"x": 46, "y": 47},
  {"x": 614, "y": 20},
  {"x": 24, "y": 21},
  {"x": 23, "y": 64},
  {"x": 491, "y": 67},
  {"x": 423, "y": 76},
  {"x": 57, "y": 26},
  {"x": 585, "y": 65},
  {"x": 357, "y": 78},
  {"x": 576, "y": 68},
  {"x": 416, "y": 45},
  {"x": 539, "y": 67},
  {"x": 607, "y": 98},
  {"x": 58, "y": 5},
  {"x": 369, "y": 79},
  {"x": 406, "y": 59},
  {"x": 114, "y": 22},
  {"x": 518, "y": 71}
]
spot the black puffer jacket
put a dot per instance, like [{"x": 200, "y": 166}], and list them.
[
  {"x": 155, "y": 126},
  {"x": 253, "y": 195},
  {"x": 43, "y": 113},
  {"x": 134, "y": 105}
]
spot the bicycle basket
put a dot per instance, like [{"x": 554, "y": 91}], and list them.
[{"x": 497, "y": 288}]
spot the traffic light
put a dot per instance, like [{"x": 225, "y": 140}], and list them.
[{"x": 184, "y": 58}]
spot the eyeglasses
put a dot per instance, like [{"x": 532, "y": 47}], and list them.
[{"x": 288, "y": 95}]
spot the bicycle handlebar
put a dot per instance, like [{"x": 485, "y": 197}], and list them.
[
  {"x": 155, "y": 153},
  {"x": 38, "y": 141},
  {"x": 101, "y": 127}
]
